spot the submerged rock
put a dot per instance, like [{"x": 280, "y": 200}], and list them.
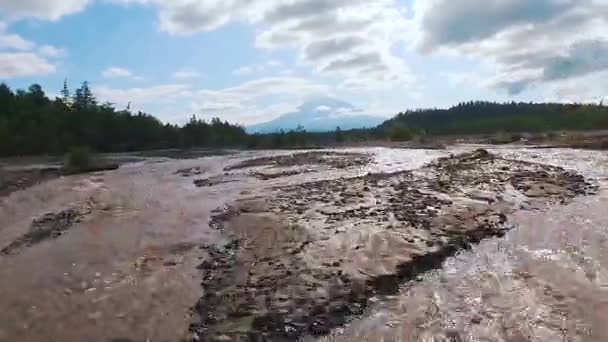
[{"x": 49, "y": 226}]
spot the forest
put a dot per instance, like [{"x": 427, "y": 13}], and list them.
[
  {"x": 33, "y": 124},
  {"x": 478, "y": 117}
]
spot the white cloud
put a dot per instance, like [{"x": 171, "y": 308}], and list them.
[
  {"x": 186, "y": 75},
  {"x": 268, "y": 67},
  {"x": 586, "y": 88},
  {"x": 323, "y": 109},
  {"x": 116, "y": 72},
  {"x": 309, "y": 26},
  {"x": 18, "y": 58},
  {"x": 250, "y": 102},
  {"x": 527, "y": 43},
  {"x": 21, "y": 64},
  {"x": 51, "y": 51},
  {"x": 15, "y": 42},
  {"x": 141, "y": 97},
  {"x": 40, "y": 9}
]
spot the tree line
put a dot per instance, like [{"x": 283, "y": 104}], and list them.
[
  {"x": 31, "y": 124},
  {"x": 479, "y": 117}
]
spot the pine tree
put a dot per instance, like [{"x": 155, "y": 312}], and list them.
[
  {"x": 65, "y": 93},
  {"x": 90, "y": 99},
  {"x": 83, "y": 97}
]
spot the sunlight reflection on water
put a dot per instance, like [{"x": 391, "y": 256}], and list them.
[{"x": 546, "y": 280}]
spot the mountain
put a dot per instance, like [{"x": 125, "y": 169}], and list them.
[{"x": 320, "y": 115}]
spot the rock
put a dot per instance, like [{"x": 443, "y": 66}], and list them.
[{"x": 205, "y": 265}]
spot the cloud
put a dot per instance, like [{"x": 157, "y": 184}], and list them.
[
  {"x": 116, "y": 72},
  {"x": 323, "y": 109},
  {"x": 22, "y": 64},
  {"x": 297, "y": 10},
  {"x": 14, "y": 42},
  {"x": 246, "y": 70},
  {"x": 18, "y": 58},
  {"x": 51, "y": 51},
  {"x": 140, "y": 97},
  {"x": 250, "y": 102},
  {"x": 324, "y": 49},
  {"x": 316, "y": 28},
  {"x": 358, "y": 61},
  {"x": 582, "y": 58},
  {"x": 40, "y": 9},
  {"x": 586, "y": 88},
  {"x": 10, "y": 41},
  {"x": 527, "y": 43},
  {"x": 446, "y": 22},
  {"x": 186, "y": 75},
  {"x": 353, "y": 39}
]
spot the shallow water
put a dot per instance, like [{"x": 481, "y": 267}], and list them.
[
  {"x": 126, "y": 270},
  {"x": 546, "y": 280}
]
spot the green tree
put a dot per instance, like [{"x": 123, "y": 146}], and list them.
[
  {"x": 65, "y": 93},
  {"x": 401, "y": 133},
  {"x": 83, "y": 97}
]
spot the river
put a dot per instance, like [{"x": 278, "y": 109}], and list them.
[{"x": 126, "y": 270}]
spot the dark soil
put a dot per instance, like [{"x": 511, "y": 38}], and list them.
[{"x": 293, "y": 268}]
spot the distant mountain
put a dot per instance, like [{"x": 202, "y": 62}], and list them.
[{"x": 320, "y": 115}]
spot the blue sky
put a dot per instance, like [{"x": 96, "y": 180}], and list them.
[{"x": 249, "y": 61}]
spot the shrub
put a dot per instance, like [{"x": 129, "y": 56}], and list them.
[
  {"x": 401, "y": 133},
  {"x": 79, "y": 159},
  {"x": 82, "y": 160}
]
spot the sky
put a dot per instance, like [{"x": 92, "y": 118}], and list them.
[{"x": 249, "y": 61}]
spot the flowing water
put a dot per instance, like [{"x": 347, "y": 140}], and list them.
[
  {"x": 127, "y": 270},
  {"x": 546, "y": 280}
]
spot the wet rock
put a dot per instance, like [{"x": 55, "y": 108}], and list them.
[
  {"x": 338, "y": 160},
  {"x": 280, "y": 174},
  {"x": 189, "y": 172},
  {"x": 213, "y": 181}
]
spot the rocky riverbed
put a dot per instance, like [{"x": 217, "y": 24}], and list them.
[
  {"x": 346, "y": 245},
  {"x": 304, "y": 259}
]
